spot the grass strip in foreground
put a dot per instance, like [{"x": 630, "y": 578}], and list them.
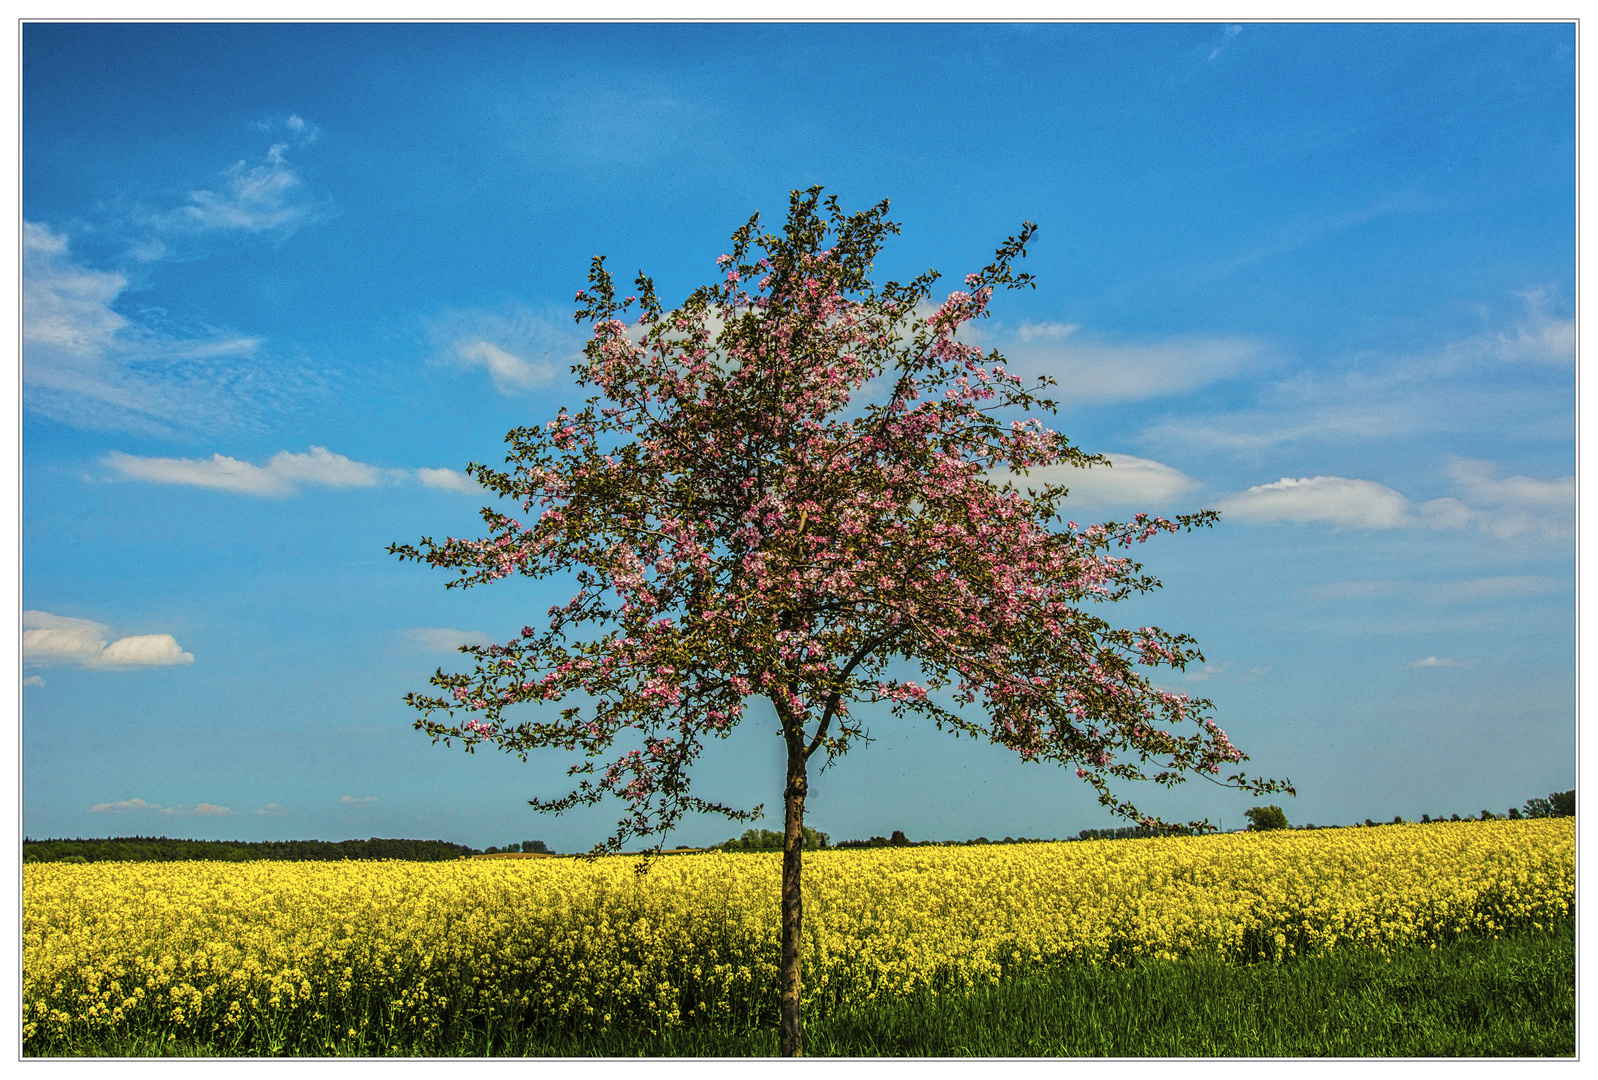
[{"x": 1475, "y": 997}]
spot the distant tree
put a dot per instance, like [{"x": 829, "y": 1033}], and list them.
[
  {"x": 1514, "y": 813},
  {"x": 1488, "y": 815},
  {"x": 898, "y": 839},
  {"x": 1265, "y": 818},
  {"x": 1425, "y": 819},
  {"x": 1454, "y": 818},
  {"x": 1563, "y": 803},
  {"x": 1398, "y": 819},
  {"x": 741, "y": 521},
  {"x": 536, "y": 847}
]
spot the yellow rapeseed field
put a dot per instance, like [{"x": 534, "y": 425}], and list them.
[{"x": 392, "y": 952}]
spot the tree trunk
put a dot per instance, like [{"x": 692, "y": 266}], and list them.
[{"x": 791, "y": 1040}]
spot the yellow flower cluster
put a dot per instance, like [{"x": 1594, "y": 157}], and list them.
[{"x": 395, "y": 952}]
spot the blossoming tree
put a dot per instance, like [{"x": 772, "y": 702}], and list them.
[{"x": 784, "y": 489}]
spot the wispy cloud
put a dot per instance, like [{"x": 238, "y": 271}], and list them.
[
  {"x": 1510, "y": 378},
  {"x": 1230, "y": 33},
  {"x": 1126, "y": 481},
  {"x": 136, "y": 806},
  {"x": 445, "y": 639},
  {"x": 1293, "y": 235},
  {"x": 1092, "y": 372},
  {"x": 1468, "y": 591},
  {"x": 260, "y": 198},
  {"x": 1204, "y": 672},
  {"x": 33, "y": 680},
  {"x": 283, "y": 474},
  {"x": 1432, "y": 661},
  {"x": 122, "y": 806},
  {"x": 59, "y": 639},
  {"x": 271, "y": 809},
  {"x": 350, "y": 800},
  {"x": 86, "y": 365},
  {"x": 519, "y": 348}
]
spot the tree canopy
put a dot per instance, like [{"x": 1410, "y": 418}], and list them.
[{"x": 746, "y": 519}]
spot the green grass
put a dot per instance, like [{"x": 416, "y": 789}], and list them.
[{"x": 1508, "y": 997}]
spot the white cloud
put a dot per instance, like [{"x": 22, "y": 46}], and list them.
[
  {"x": 519, "y": 348},
  {"x": 350, "y": 801},
  {"x": 271, "y": 809},
  {"x": 1506, "y": 508},
  {"x": 303, "y": 128},
  {"x": 1127, "y": 481},
  {"x": 1097, "y": 373},
  {"x": 1333, "y": 500},
  {"x": 444, "y": 639},
  {"x": 1432, "y": 661},
  {"x": 86, "y": 365},
  {"x": 122, "y": 807},
  {"x": 1052, "y": 331},
  {"x": 1204, "y": 672},
  {"x": 65, "y": 306},
  {"x": 1476, "y": 383},
  {"x": 199, "y": 810},
  {"x": 254, "y": 199},
  {"x": 448, "y": 480},
  {"x": 279, "y": 477},
  {"x": 33, "y": 680},
  {"x": 1511, "y": 506},
  {"x": 510, "y": 372},
  {"x": 60, "y": 639}
]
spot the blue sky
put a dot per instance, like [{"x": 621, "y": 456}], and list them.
[{"x": 281, "y": 283}]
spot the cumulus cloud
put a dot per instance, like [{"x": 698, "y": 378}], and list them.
[
  {"x": 123, "y": 806},
  {"x": 1127, "y": 481},
  {"x": 1332, "y": 500},
  {"x": 279, "y": 477},
  {"x": 1507, "y": 508},
  {"x": 352, "y": 801},
  {"x": 444, "y": 639},
  {"x": 60, "y": 639},
  {"x": 519, "y": 348},
  {"x": 271, "y": 809}
]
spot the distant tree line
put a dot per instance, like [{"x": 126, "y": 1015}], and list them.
[
  {"x": 530, "y": 847},
  {"x": 767, "y": 840},
  {"x": 164, "y": 849},
  {"x": 1557, "y": 804}
]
